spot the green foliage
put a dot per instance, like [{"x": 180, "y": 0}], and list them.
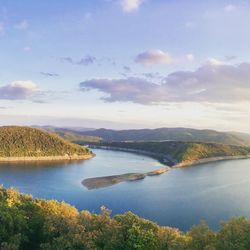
[
  {"x": 25, "y": 141},
  {"x": 234, "y": 235},
  {"x": 29, "y": 224},
  {"x": 172, "y": 239},
  {"x": 183, "y": 151},
  {"x": 137, "y": 233},
  {"x": 201, "y": 237}
]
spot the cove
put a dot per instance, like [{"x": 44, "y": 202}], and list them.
[{"x": 179, "y": 198}]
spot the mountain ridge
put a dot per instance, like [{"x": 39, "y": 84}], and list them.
[{"x": 172, "y": 134}]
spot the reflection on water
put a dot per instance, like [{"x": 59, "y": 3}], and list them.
[
  {"x": 181, "y": 197},
  {"x": 37, "y": 164}
]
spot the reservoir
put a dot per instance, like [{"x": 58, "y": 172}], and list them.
[{"x": 179, "y": 198}]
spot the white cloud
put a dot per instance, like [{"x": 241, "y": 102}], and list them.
[
  {"x": 18, "y": 90},
  {"x": 130, "y": 5},
  {"x": 190, "y": 57},
  {"x": 214, "y": 61},
  {"x": 211, "y": 83},
  {"x": 23, "y": 25},
  {"x": 157, "y": 56},
  {"x": 154, "y": 56},
  {"x": 229, "y": 8}
]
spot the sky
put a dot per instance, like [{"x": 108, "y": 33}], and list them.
[{"x": 125, "y": 63}]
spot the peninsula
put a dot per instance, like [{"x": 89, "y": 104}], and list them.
[
  {"x": 30, "y": 144},
  {"x": 175, "y": 154}
]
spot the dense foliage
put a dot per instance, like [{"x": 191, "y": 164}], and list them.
[
  {"x": 25, "y": 141},
  {"x": 184, "y": 151},
  {"x": 31, "y": 224},
  {"x": 172, "y": 134}
]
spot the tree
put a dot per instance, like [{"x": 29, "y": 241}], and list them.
[
  {"x": 234, "y": 235},
  {"x": 201, "y": 237},
  {"x": 172, "y": 239}
]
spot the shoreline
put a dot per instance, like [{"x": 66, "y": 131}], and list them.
[
  {"x": 46, "y": 158},
  {"x": 106, "y": 181},
  {"x": 162, "y": 158},
  {"x": 173, "y": 162},
  {"x": 210, "y": 160}
]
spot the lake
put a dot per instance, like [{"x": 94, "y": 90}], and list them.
[{"x": 180, "y": 198}]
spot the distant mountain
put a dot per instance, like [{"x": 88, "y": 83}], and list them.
[
  {"x": 73, "y": 134},
  {"x": 31, "y": 142},
  {"x": 172, "y": 134},
  {"x": 88, "y": 135},
  {"x": 70, "y": 128}
]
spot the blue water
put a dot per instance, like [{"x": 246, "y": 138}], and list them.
[{"x": 179, "y": 198}]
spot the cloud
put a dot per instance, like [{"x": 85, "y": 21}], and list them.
[
  {"x": 230, "y": 58},
  {"x": 190, "y": 57},
  {"x": 67, "y": 59},
  {"x": 23, "y": 25},
  {"x": 210, "y": 83},
  {"x": 19, "y": 90},
  {"x": 130, "y": 5},
  {"x": 154, "y": 56},
  {"x": 214, "y": 61},
  {"x": 87, "y": 60},
  {"x": 129, "y": 89},
  {"x": 49, "y": 74},
  {"x": 229, "y": 8},
  {"x": 153, "y": 75},
  {"x": 127, "y": 69},
  {"x": 157, "y": 56}
]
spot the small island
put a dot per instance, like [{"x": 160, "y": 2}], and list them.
[
  {"x": 106, "y": 181},
  {"x": 31, "y": 144}
]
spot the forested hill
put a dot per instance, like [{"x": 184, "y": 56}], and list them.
[
  {"x": 172, "y": 134},
  {"x": 183, "y": 152},
  {"x": 30, "y": 142}
]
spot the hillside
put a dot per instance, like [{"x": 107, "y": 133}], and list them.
[
  {"x": 31, "y": 142},
  {"x": 180, "y": 152},
  {"x": 75, "y": 135},
  {"x": 172, "y": 134}
]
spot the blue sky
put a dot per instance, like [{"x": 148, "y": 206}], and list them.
[{"x": 125, "y": 63}]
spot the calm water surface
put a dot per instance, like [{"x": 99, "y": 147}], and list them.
[{"x": 179, "y": 198}]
